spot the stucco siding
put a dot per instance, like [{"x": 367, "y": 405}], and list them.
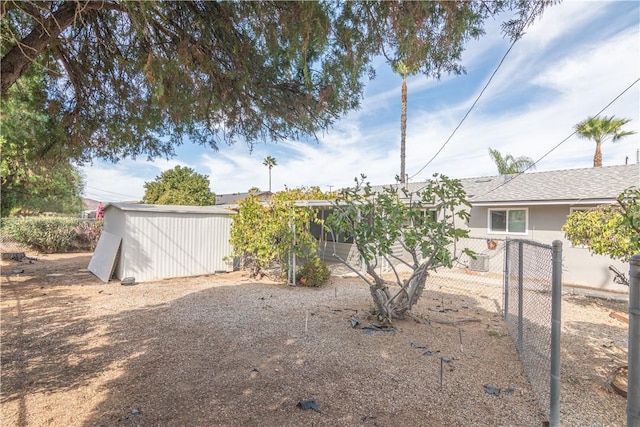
[
  {"x": 580, "y": 267},
  {"x": 544, "y": 225}
]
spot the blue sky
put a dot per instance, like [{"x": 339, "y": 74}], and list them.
[{"x": 569, "y": 65}]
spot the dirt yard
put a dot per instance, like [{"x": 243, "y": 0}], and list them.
[{"x": 224, "y": 350}]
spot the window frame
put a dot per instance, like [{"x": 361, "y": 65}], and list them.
[{"x": 506, "y": 210}]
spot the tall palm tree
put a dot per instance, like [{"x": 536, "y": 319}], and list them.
[
  {"x": 404, "y": 70},
  {"x": 270, "y": 162},
  {"x": 601, "y": 129},
  {"x": 508, "y": 164}
]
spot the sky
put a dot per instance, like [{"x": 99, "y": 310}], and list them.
[{"x": 576, "y": 59}]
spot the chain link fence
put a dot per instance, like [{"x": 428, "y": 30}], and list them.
[
  {"x": 516, "y": 279},
  {"x": 10, "y": 248},
  {"x": 529, "y": 313},
  {"x": 480, "y": 276}
]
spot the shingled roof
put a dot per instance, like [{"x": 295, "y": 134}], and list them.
[
  {"x": 568, "y": 186},
  {"x": 575, "y": 186}
]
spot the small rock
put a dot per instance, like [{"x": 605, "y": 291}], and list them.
[
  {"x": 491, "y": 389},
  {"x": 135, "y": 412},
  {"x": 128, "y": 281},
  {"x": 308, "y": 404}
]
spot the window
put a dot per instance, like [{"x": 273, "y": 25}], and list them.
[{"x": 508, "y": 221}]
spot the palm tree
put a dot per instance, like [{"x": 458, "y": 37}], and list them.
[
  {"x": 404, "y": 70},
  {"x": 270, "y": 162},
  {"x": 508, "y": 164},
  {"x": 600, "y": 129}
]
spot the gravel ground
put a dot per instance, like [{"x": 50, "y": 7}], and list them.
[{"x": 229, "y": 351}]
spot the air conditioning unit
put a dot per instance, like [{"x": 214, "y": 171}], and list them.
[{"x": 481, "y": 263}]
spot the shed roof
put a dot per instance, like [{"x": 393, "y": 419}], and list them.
[{"x": 139, "y": 207}]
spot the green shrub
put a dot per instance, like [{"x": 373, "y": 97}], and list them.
[
  {"x": 87, "y": 234},
  {"x": 314, "y": 272},
  {"x": 51, "y": 234}
]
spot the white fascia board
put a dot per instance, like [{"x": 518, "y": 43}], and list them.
[{"x": 572, "y": 202}]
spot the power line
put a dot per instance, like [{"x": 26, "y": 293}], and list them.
[
  {"x": 110, "y": 192},
  {"x": 477, "y": 98},
  {"x": 564, "y": 140}
]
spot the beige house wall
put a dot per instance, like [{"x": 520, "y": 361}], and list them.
[{"x": 580, "y": 267}]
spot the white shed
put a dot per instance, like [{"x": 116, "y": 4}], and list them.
[{"x": 152, "y": 242}]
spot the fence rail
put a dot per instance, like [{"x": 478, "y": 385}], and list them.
[
  {"x": 633, "y": 365},
  {"x": 532, "y": 301}
]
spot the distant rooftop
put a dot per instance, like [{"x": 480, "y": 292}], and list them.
[{"x": 230, "y": 199}]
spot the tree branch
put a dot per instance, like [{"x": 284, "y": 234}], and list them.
[{"x": 18, "y": 59}]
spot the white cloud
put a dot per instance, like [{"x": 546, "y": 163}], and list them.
[
  {"x": 123, "y": 180},
  {"x": 112, "y": 183},
  {"x": 566, "y": 91}
]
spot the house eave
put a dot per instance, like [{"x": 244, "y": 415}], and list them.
[{"x": 563, "y": 202}]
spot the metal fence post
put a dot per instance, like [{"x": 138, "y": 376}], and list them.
[
  {"x": 520, "y": 295},
  {"x": 505, "y": 286},
  {"x": 556, "y": 327},
  {"x": 633, "y": 361}
]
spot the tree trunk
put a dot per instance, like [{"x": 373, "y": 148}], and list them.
[
  {"x": 19, "y": 58},
  {"x": 597, "y": 157},
  {"x": 395, "y": 306},
  {"x": 403, "y": 130}
]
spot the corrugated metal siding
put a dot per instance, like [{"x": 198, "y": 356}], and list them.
[
  {"x": 114, "y": 221},
  {"x": 159, "y": 246}
]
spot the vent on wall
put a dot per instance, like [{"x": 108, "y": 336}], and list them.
[{"x": 481, "y": 263}]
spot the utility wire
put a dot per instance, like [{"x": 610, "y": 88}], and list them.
[
  {"x": 515, "y": 39},
  {"x": 564, "y": 140},
  {"x": 111, "y": 192}
]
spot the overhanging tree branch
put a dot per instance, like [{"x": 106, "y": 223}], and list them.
[{"x": 17, "y": 60}]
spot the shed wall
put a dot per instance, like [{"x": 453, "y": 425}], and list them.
[{"x": 160, "y": 246}]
